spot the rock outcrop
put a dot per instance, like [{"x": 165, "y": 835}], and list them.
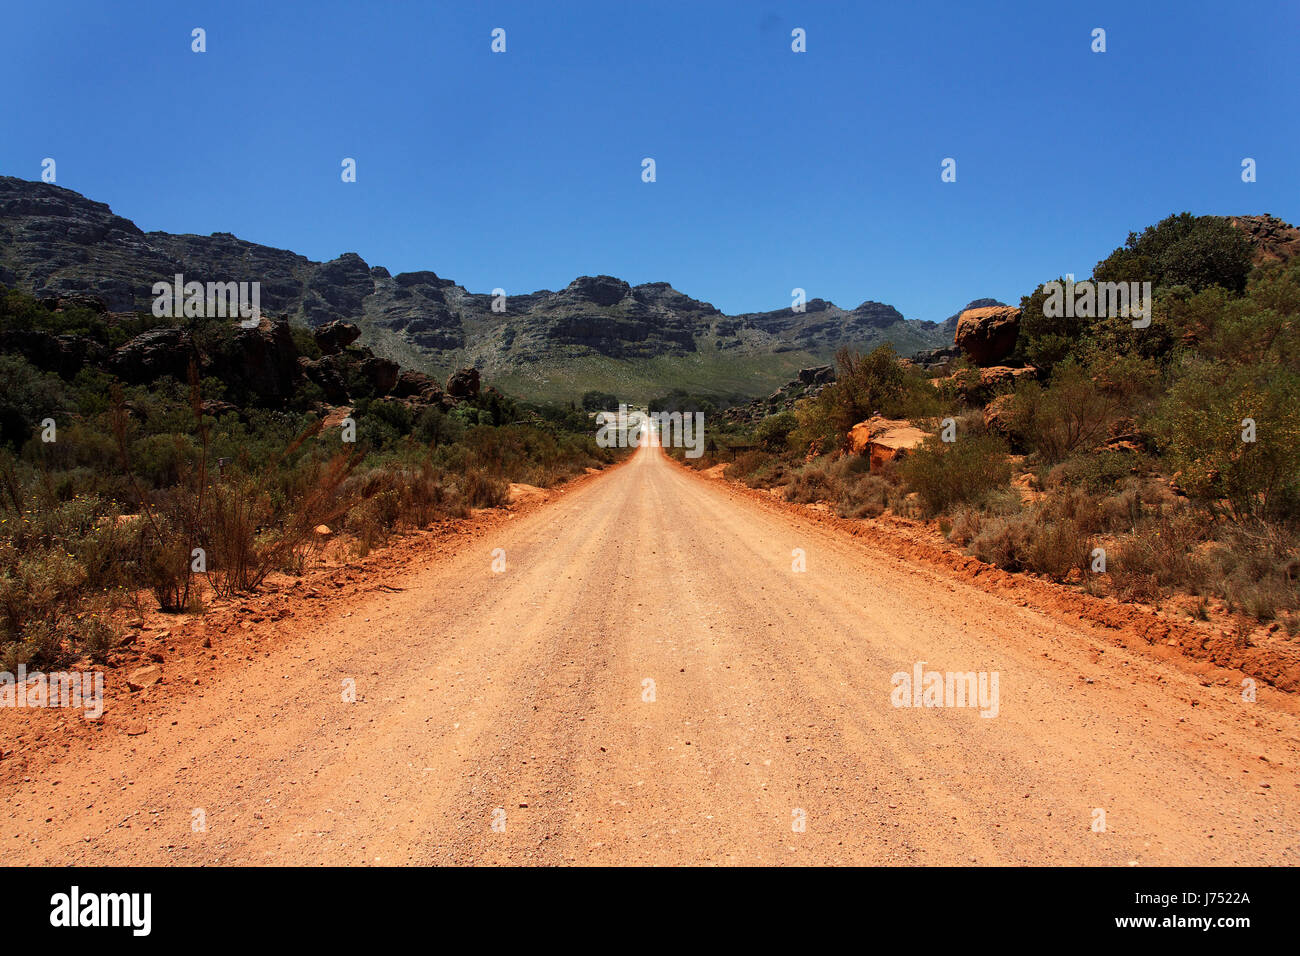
[
  {"x": 154, "y": 354},
  {"x": 463, "y": 383},
  {"x": 64, "y": 355},
  {"x": 999, "y": 376},
  {"x": 1273, "y": 239},
  {"x": 884, "y": 439},
  {"x": 412, "y": 384},
  {"x": 936, "y": 358},
  {"x": 988, "y": 335},
  {"x": 808, "y": 384},
  {"x": 335, "y": 336},
  {"x": 263, "y": 362}
]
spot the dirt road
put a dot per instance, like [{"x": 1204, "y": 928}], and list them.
[{"x": 648, "y": 680}]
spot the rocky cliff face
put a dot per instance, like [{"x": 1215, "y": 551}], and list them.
[
  {"x": 1273, "y": 239},
  {"x": 55, "y": 242}
]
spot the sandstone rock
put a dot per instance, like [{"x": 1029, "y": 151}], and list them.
[
  {"x": 818, "y": 375},
  {"x": 884, "y": 439},
  {"x": 989, "y": 334},
  {"x": 998, "y": 414},
  {"x": 153, "y": 354},
  {"x": 1274, "y": 240},
  {"x": 143, "y": 677},
  {"x": 329, "y": 374},
  {"x": 1000, "y": 375},
  {"x": 416, "y": 385},
  {"x": 936, "y": 358},
  {"x": 380, "y": 373},
  {"x": 598, "y": 290},
  {"x": 261, "y": 361},
  {"x": 334, "y": 337},
  {"x": 463, "y": 383}
]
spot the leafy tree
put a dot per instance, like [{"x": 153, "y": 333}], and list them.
[
  {"x": 1195, "y": 251},
  {"x": 1201, "y": 426},
  {"x": 598, "y": 401},
  {"x": 1071, "y": 414},
  {"x": 864, "y": 386},
  {"x": 680, "y": 400},
  {"x": 27, "y": 397}
]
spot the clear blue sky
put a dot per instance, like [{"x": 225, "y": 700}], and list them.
[{"x": 775, "y": 169}]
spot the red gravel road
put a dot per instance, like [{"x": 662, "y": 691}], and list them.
[{"x": 649, "y": 681}]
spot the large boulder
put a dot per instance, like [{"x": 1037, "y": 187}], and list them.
[
  {"x": 329, "y": 372},
  {"x": 1000, "y": 415},
  {"x": 261, "y": 362},
  {"x": 334, "y": 337},
  {"x": 153, "y": 354},
  {"x": 988, "y": 335},
  {"x": 416, "y": 385},
  {"x": 380, "y": 373},
  {"x": 270, "y": 360},
  {"x": 999, "y": 376},
  {"x": 884, "y": 439},
  {"x": 463, "y": 383}
]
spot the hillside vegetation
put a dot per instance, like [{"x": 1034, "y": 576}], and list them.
[
  {"x": 1157, "y": 464},
  {"x": 154, "y": 472}
]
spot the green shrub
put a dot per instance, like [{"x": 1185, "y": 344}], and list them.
[
  {"x": 1193, "y": 251},
  {"x": 864, "y": 385},
  {"x": 773, "y": 432},
  {"x": 1069, "y": 415},
  {"x": 947, "y": 473}
]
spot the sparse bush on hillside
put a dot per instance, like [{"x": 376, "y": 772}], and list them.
[
  {"x": 117, "y": 506},
  {"x": 1160, "y": 554},
  {"x": 864, "y": 496},
  {"x": 947, "y": 473},
  {"x": 1203, "y": 426},
  {"x": 864, "y": 385},
  {"x": 1097, "y": 472},
  {"x": 773, "y": 432},
  {"x": 757, "y": 469},
  {"x": 811, "y": 484},
  {"x": 1071, "y": 414}
]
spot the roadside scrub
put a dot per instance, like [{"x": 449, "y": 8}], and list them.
[
  {"x": 154, "y": 497},
  {"x": 1158, "y": 465}
]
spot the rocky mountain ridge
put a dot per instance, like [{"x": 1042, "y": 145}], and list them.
[{"x": 55, "y": 242}]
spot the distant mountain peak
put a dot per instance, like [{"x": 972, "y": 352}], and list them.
[{"x": 54, "y": 241}]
